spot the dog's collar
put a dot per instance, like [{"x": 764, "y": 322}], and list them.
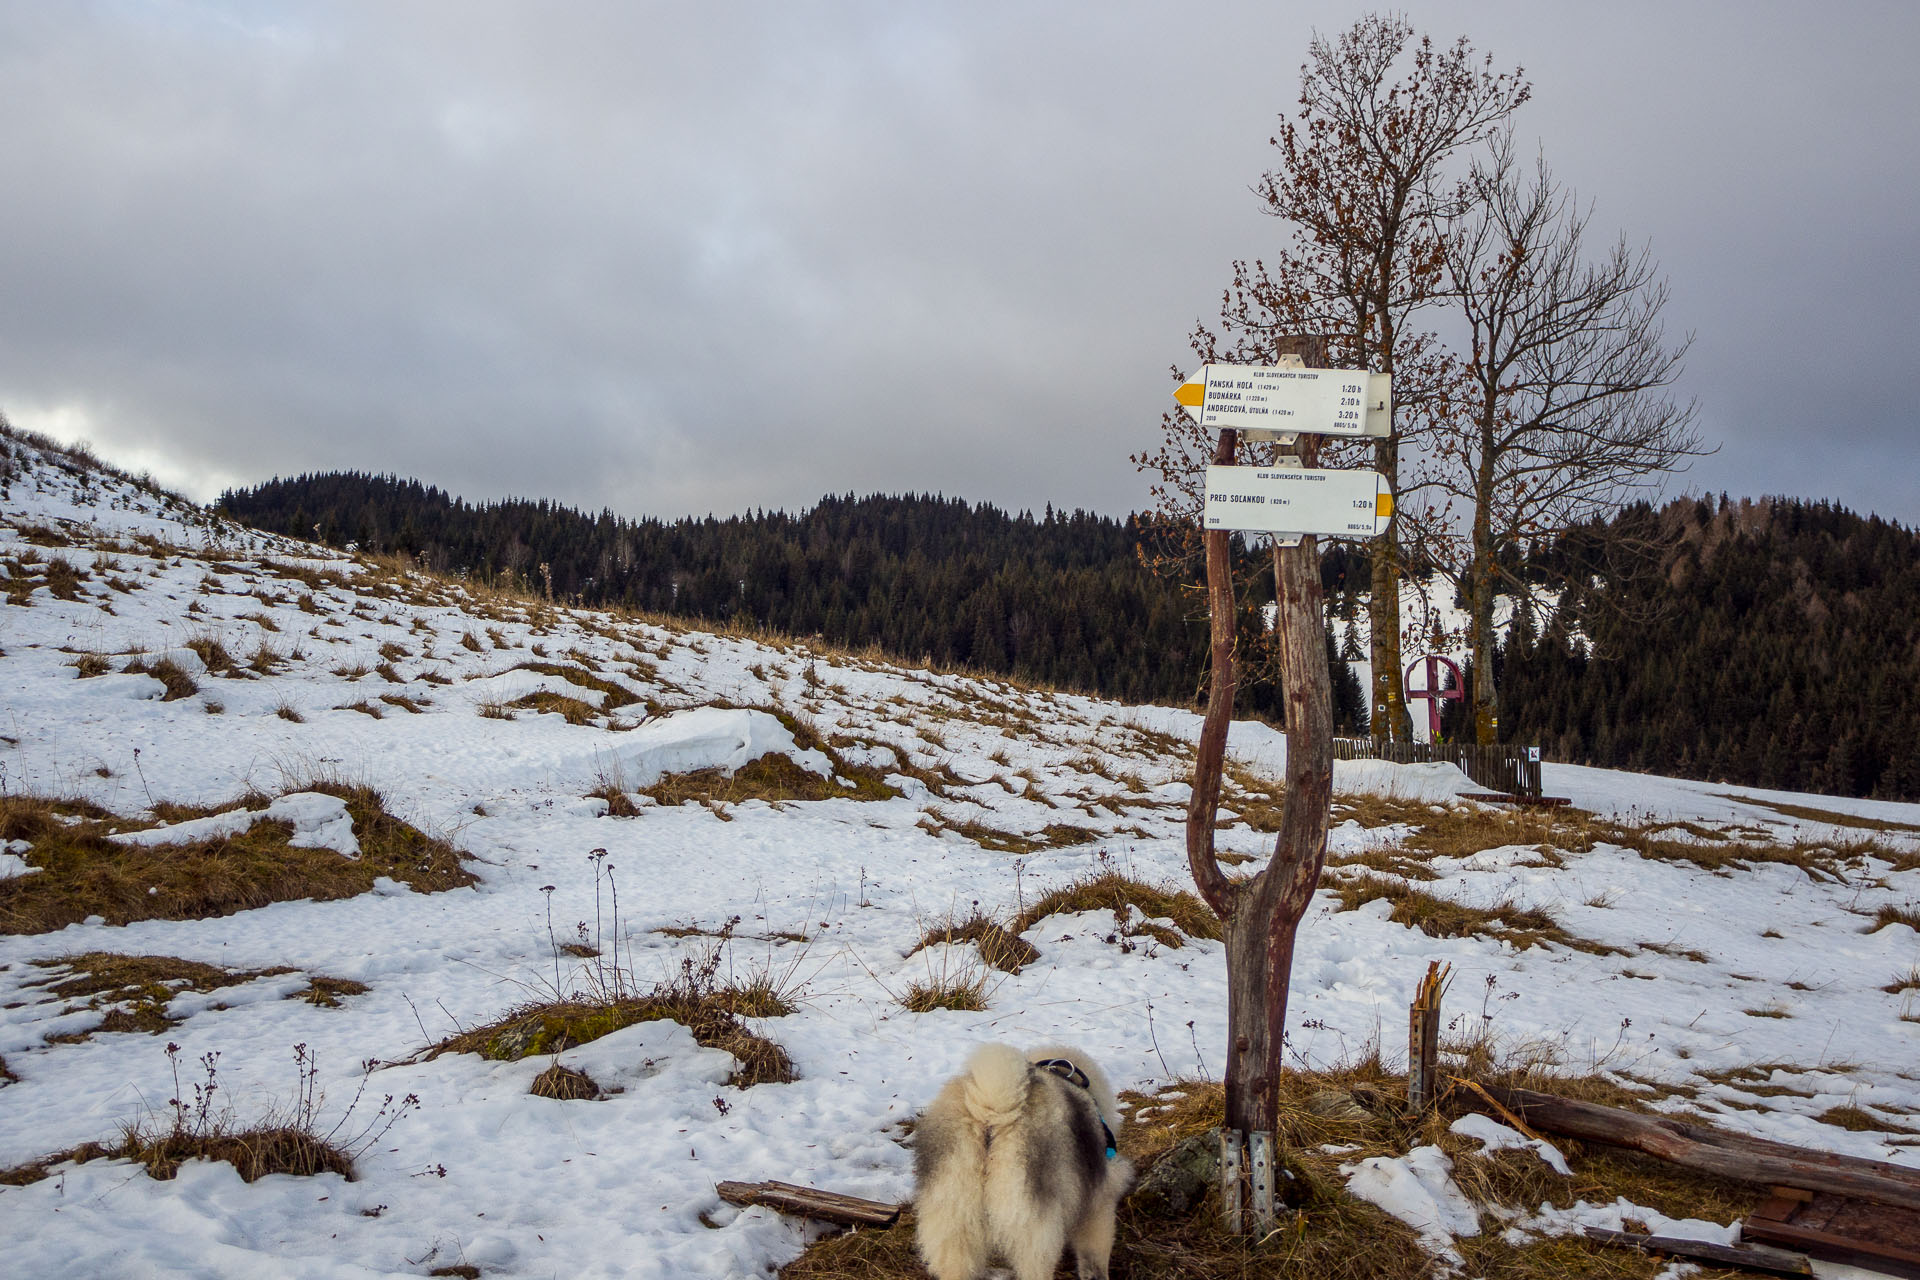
[
  {"x": 1072, "y": 1074},
  {"x": 1067, "y": 1071}
]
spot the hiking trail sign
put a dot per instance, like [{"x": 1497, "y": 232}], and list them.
[
  {"x": 1265, "y": 403},
  {"x": 1297, "y": 500}
]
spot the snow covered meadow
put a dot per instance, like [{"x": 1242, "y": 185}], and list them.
[{"x": 1777, "y": 993}]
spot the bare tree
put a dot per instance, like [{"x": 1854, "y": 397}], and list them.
[
  {"x": 1363, "y": 181},
  {"x": 1560, "y": 411}
]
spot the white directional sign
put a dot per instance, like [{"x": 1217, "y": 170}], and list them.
[
  {"x": 1262, "y": 401},
  {"x": 1290, "y": 500}
]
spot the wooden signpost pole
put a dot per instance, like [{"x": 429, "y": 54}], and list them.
[{"x": 1262, "y": 915}]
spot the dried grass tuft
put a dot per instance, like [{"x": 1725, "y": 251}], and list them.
[
  {"x": 553, "y": 1026},
  {"x": 1000, "y": 947},
  {"x": 83, "y": 873},
  {"x": 564, "y": 1084},
  {"x": 1439, "y": 917},
  {"x": 1111, "y": 891}
]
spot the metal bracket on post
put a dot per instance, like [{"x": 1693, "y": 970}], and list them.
[
  {"x": 1285, "y": 439},
  {"x": 1260, "y": 1161},
  {"x": 1230, "y": 1179}
]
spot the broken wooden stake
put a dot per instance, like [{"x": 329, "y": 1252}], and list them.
[
  {"x": 1423, "y": 1037},
  {"x": 1776, "y": 1262},
  {"x": 810, "y": 1202}
]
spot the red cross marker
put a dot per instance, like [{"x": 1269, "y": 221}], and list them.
[{"x": 1435, "y": 694}]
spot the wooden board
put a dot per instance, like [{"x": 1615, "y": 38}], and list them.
[
  {"x": 1840, "y": 1229},
  {"x": 1715, "y": 1151},
  {"x": 810, "y": 1202},
  {"x": 1773, "y": 1262}
]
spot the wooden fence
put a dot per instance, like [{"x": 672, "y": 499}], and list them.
[{"x": 1506, "y": 769}]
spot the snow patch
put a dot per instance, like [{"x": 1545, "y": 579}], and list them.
[
  {"x": 1418, "y": 1189},
  {"x": 709, "y": 738},
  {"x": 1494, "y": 1136},
  {"x": 319, "y": 821}
]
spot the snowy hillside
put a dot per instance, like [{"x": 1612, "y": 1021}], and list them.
[{"x": 1746, "y": 956}]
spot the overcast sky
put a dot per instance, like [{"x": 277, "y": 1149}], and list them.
[{"x": 688, "y": 258}]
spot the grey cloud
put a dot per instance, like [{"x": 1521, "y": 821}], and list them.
[{"x": 676, "y": 260}]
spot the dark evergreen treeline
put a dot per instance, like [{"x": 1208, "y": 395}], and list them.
[
  {"x": 1059, "y": 599},
  {"x": 1777, "y": 644},
  {"x": 1774, "y": 643}
]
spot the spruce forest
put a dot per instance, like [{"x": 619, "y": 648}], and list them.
[{"x": 1772, "y": 643}]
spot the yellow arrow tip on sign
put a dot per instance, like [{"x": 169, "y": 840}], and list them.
[
  {"x": 1191, "y": 394},
  {"x": 1383, "y": 504}
]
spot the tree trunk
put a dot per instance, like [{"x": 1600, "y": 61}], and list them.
[
  {"x": 1480, "y": 583},
  {"x": 1210, "y": 752},
  {"x": 1253, "y": 1051},
  {"x": 1389, "y": 717}
]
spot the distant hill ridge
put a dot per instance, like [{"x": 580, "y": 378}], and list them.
[
  {"x": 1782, "y": 650},
  {"x": 1058, "y": 599},
  {"x": 1783, "y": 646}
]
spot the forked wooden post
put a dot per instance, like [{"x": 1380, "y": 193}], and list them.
[{"x": 1262, "y": 914}]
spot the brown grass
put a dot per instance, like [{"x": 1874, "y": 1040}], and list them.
[
  {"x": 553, "y": 1026},
  {"x": 253, "y": 1152},
  {"x": 1908, "y": 916},
  {"x": 960, "y": 994},
  {"x": 1439, "y": 917},
  {"x": 1390, "y": 861},
  {"x": 1860, "y": 1120},
  {"x": 83, "y": 873},
  {"x": 1828, "y": 816},
  {"x": 64, "y": 578},
  {"x": 619, "y": 800},
  {"x": 212, "y": 651},
  {"x": 168, "y": 672},
  {"x": 1460, "y": 831},
  {"x": 328, "y": 992},
  {"x": 1329, "y": 1235},
  {"x": 134, "y": 991},
  {"x": 564, "y": 1084},
  {"x": 617, "y": 695},
  {"x": 572, "y": 710},
  {"x": 1111, "y": 891},
  {"x": 1005, "y": 950},
  {"x": 774, "y": 778}
]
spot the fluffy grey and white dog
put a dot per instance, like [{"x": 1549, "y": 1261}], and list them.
[{"x": 1015, "y": 1160}]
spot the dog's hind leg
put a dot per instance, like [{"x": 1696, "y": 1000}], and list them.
[
  {"x": 1038, "y": 1251},
  {"x": 951, "y": 1226},
  {"x": 955, "y": 1255},
  {"x": 1093, "y": 1243}
]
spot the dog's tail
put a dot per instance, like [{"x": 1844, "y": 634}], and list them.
[{"x": 997, "y": 1084}]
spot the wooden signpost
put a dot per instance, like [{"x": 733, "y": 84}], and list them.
[
  {"x": 1276, "y": 402},
  {"x": 1294, "y": 403},
  {"x": 1295, "y": 500}
]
